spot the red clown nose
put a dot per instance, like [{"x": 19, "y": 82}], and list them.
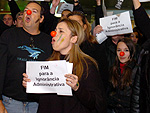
[
  {"x": 53, "y": 33},
  {"x": 121, "y": 53},
  {"x": 29, "y": 12}
]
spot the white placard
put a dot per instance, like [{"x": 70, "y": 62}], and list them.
[
  {"x": 63, "y": 6},
  {"x": 101, "y": 37},
  {"x": 144, "y": 0},
  {"x": 48, "y": 77},
  {"x": 117, "y": 24},
  {"x": 38, "y": 0}
]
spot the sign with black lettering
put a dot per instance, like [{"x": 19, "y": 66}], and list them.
[
  {"x": 117, "y": 24},
  {"x": 48, "y": 77}
]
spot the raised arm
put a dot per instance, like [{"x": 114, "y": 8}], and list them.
[
  {"x": 54, "y": 5},
  {"x": 13, "y": 8},
  {"x": 50, "y": 21},
  {"x": 141, "y": 18},
  {"x": 98, "y": 12},
  {"x": 136, "y": 4}
]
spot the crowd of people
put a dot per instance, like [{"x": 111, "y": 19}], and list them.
[{"x": 111, "y": 77}]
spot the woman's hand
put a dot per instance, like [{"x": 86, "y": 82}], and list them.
[
  {"x": 25, "y": 80},
  {"x": 72, "y": 81}
]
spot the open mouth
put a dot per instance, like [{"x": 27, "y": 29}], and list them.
[
  {"x": 53, "y": 40},
  {"x": 28, "y": 19},
  {"x": 122, "y": 58}
]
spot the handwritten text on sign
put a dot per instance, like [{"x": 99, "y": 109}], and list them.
[
  {"x": 48, "y": 77},
  {"x": 115, "y": 25}
]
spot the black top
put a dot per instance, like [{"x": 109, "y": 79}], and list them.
[
  {"x": 120, "y": 99},
  {"x": 15, "y": 50},
  {"x": 3, "y": 27},
  {"x": 98, "y": 52},
  {"x": 86, "y": 99},
  {"x": 143, "y": 23}
]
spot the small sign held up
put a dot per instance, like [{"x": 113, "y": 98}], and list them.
[
  {"x": 38, "y": 0},
  {"x": 62, "y": 6},
  {"x": 144, "y": 0},
  {"x": 117, "y": 24}
]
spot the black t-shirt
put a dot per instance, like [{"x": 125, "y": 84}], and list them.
[{"x": 16, "y": 47}]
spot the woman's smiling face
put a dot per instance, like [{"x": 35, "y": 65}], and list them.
[{"x": 125, "y": 57}]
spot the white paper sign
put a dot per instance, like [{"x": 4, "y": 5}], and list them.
[
  {"x": 38, "y": 0},
  {"x": 63, "y": 6},
  {"x": 115, "y": 25},
  {"x": 48, "y": 77},
  {"x": 101, "y": 37},
  {"x": 144, "y": 0}
]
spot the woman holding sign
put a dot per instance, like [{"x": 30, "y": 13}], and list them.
[
  {"x": 123, "y": 91},
  {"x": 88, "y": 94}
]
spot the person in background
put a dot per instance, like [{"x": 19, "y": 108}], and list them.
[
  {"x": 19, "y": 19},
  {"x": 90, "y": 45},
  {"x": 3, "y": 27},
  {"x": 14, "y": 9},
  {"x": 18, "y": 45},
  {"x": 123, "y": 79},
  {"x": 8, "y": 20},
  {"x": 65, "y": 13},
  {"x": 143, "y": 23},
  {"x": 111, "y": 42},
  {"x": 134, "y": 37},
  {"x": 88, "y": 94}
]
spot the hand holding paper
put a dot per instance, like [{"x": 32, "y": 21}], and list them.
[
  {"x": 25, "y": 80},
  {"x": 48, "y": 77},
  {"x": 72, "y": 81},
  {"x": 97, "y": 30}
]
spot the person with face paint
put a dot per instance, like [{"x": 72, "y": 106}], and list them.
[
  {"x": 88, "y": 94},
  {"x": 18, "y": 45},
  {"x": 49, "y": 18},
  {"x": 123, "y": 80}
]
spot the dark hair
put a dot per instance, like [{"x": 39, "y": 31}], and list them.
[
  {"x": 42, "y": 9},
  {"x": 66, "y": 10},
  {"x": 88, "y": 36},
  {"x": 124, "y": 79},
  {"x": 19, "y": 14}
]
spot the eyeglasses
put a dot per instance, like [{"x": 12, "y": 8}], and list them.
[{"x": 32, "y": 42}]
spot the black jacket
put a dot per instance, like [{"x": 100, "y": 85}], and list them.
[
  {"x": 143, "y": 23},
  {"x": 125, "y": 100}
]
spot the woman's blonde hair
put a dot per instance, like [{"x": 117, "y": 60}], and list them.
[{"x": 75, "y": 55}]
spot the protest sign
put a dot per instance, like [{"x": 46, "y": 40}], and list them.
[
  {"x": 48, "y": 77},
  {"x": 144, "y": 0},
  {"x": 101, "y": 37},
  {"x": 39, "y": 0},
  {"x": 62, "y": 6},
  {"x": 116, "y": 24}
]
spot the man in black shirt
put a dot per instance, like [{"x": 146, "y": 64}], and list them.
[{"x": 18, "y": 45}]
